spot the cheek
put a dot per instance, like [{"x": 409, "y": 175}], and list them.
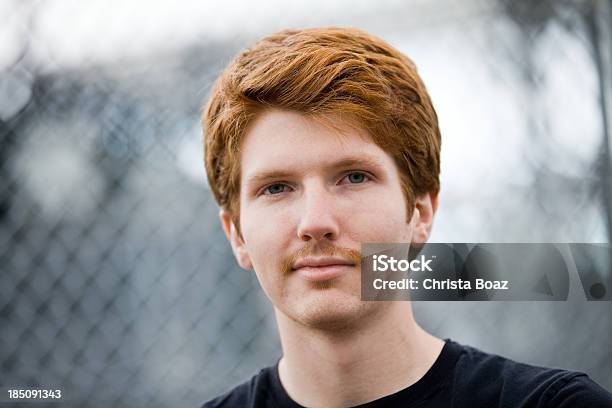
[
  {"x": 381, "y": 220},
  {"x": 392, "y": 225},
  {"x": 264, "y": 235}
]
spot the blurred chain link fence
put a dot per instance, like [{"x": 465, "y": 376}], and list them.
[{"x": 117, "y": 285}]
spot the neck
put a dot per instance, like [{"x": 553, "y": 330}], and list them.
[{"x": 336, "y": 369}]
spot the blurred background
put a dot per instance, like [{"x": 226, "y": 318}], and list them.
[{"x": 116, "y": 283}]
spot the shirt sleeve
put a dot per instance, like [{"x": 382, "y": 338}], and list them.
[{"x": 581, "y": 391}]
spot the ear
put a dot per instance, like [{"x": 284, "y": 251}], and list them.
[
  {"x": 235, "y": 240},
  {"x": 422, "y": 219}
]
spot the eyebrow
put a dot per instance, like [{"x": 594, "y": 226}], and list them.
[{"x": 364, "y": 161}]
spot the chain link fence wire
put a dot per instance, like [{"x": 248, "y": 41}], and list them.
[{"x": 116, "y": 282}]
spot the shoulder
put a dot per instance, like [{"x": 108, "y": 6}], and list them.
[
  {"x": 237, "y": 397},
  {"x": 511, "y": 383},
  {"x": 580, "y": 390},
  {"x": 248, "y": 394}
]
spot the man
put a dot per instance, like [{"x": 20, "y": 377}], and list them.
[{"x": 317, "y": 141}]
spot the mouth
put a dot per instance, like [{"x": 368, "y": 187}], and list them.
[{"x": 320, "y": 270}]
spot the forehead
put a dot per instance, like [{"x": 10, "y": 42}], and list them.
[{"x": 289, "y": 140}]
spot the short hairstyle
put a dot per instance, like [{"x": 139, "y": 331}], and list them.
[{"x": 323, "y": 72}]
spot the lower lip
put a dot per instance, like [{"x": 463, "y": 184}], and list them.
[{"x": 322, "y": 273}]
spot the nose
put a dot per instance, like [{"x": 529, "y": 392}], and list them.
[{"x": 318, "y": 218}]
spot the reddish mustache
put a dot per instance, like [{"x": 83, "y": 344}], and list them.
[{"x": 328, "y": 250}]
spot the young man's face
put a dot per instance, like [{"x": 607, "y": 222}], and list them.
[{"x": 310, "y": 195}]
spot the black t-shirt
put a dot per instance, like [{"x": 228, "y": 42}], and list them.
[{"x": 462, "y": 376}]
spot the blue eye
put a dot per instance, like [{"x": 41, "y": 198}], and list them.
[
  {"x": 274, "y": 189},
  {"x": 356, "y": 177}
]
